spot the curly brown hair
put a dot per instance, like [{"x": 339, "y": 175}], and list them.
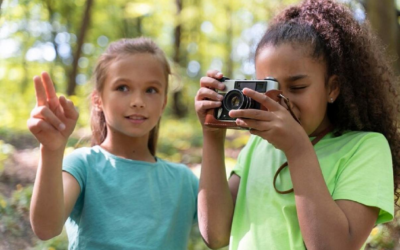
[{"x": 368, "y": 99}]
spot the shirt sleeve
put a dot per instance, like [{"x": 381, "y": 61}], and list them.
[
  {"x": 367, "y": 177},
  {"x": 75, "y": 164}
]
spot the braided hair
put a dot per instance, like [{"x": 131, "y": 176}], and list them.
[{"x": 368, "y": 99}]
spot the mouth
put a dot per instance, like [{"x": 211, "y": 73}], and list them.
[{"x": 137, "y": 118}]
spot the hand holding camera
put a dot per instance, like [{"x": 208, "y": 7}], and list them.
[
  {"x": 235, "y": 99},
  {"x": 257, "y": 105},
  {"x": 207, "y": 98}
]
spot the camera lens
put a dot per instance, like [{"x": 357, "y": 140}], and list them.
[{"x": 235, "y": 99}]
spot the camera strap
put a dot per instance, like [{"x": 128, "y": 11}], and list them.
[
  {"x": 314, "y": 141},
  {"x": 288, "y": 106}
]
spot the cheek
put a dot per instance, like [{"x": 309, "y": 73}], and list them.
[{"x": 305, "y": 109}]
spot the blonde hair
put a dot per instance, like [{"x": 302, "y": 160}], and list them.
[{"x": 115, "y": 50}]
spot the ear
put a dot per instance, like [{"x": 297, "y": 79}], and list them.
[
  {"x": 333, "y": 89},
  {"x": 96, "y": 101}
]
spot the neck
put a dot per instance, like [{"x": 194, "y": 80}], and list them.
[
  {"x": 134, "y": 148},
  {"x": 325, "y": 124}
]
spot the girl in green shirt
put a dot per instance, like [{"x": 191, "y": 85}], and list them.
[{"x": 341, "y": 92}]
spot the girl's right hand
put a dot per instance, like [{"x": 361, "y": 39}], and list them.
[
  {"x": 206, "y": 98},
  {"x": 54, "y": 118}
]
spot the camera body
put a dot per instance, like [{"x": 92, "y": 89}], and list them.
[{"x": 235, "y": 99}]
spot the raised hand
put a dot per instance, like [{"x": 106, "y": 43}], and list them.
[
  {"x": 54, "y": 118},
  {"x": 206, "y": 98},
  {"x": 276, "y": 125}
]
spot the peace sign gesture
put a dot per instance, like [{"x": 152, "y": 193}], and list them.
[{"x": 54, "y": 118}]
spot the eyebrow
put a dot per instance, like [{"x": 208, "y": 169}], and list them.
[
  {"x": 295, "y": 78},
  {"x": 118, "y": 80}
]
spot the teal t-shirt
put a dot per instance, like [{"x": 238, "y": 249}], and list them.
[
  {"x": 127, "y": 204},
  {"x": 356, "y": 166}
]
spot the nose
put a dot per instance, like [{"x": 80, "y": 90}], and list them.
[{"x": 137, "y": 101}]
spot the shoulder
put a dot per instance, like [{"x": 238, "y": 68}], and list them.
[
  {"x": 81, "y": 154},
  {"x": 83, "y": 151},
  {"x": 363, "y": 155},
  {"x": 177, "y": 168},
  {"x": 362, "y": 135},
  {"x": 82, "y": 157},
  {"x": 364, "y": 141},
  {"x": 354, "y": 140}
]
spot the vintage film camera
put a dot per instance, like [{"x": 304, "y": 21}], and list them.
[{"x": 235, "y": 99}]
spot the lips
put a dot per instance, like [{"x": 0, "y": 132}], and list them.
[{"x": 136, "y": 118}]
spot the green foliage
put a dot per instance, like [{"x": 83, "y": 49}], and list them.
[
  {"x": 5, "y": 151},
  {"x": 57, "y": 243},
  {"x": 381, "y": 238},
  {"x": 15, "y": 211}
]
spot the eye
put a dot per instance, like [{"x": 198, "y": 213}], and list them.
[
  {"x": 122, "y": 88},
  {"x": 152, "y": 90},
  {"x": 297, "y": 88}
]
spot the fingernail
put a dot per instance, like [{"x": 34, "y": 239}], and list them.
[
  {"x": 219, "y": 74},
  {"x": 220, "y": 97},
  {"x": 61, "y": 126},
  {"x": 221, "y": 86}
]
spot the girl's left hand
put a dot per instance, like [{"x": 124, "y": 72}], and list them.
[{"x": 276, "y": 125}]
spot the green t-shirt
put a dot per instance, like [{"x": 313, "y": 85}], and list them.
[{"x": 356, "y": 166}]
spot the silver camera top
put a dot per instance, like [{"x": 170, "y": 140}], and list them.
[{"x": 262, "y": 86}]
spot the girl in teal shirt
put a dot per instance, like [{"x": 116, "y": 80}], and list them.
[{"x": 116, "y": 194}]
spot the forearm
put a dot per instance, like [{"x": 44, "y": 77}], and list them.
[
  {"x": 47, "y": 211},
  {"x": 215, "y": 204},
  {"x": 323, "y": 224}
]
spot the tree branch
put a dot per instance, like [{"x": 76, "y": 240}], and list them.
[{"x": 81, "y": 38}]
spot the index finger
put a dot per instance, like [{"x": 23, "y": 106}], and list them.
[
  {"x": 49, "y": 87},
  {"x": 263, "y": 99},
  {"x": 213, "y": 83},
  {"x": 214, "y": 74},
  {"x": 41, "y": 99}
]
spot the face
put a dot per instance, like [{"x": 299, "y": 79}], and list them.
[
  {"x": 134, "y": 95},
  {"x": 303, "y": 80}
]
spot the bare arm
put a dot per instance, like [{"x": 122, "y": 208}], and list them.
[
  {"x": 52, "y": 122},
  {"x": 215, "y": 200},
  {"x": 54, "y": 195},
  {"x": 322, "y": 220},
  {"x": 216, "y": 197}
]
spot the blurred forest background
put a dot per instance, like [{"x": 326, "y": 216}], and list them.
[{"x": 66, "y": 37}]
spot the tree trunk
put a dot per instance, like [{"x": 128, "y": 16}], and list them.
[
  {"x": 229, "y": 39},
  {"x": 50, "y": 10},
  {"x": 178, "y": 108},
  {"x": 177, "y": 33},
  {"x": 78, "y": 50},
  {"x": 1, "y": 2},
  {"x": 383, "y": 18}
]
